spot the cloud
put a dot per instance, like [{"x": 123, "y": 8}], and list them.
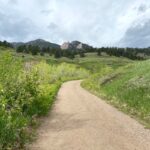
[
  {"x": 52, "y": 26},
  {"x": 142, "y": 8},
  {"x": 46, "y": 12},
  {"x": 137, "y": 36},
  {"x": 100, "y": 23},
  {"x": 14, "y": 29},
  {"x": 13, "y": 1}
]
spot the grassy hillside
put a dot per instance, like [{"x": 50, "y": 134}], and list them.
[
  {"x": 91, "y": 61},
  {"x": 128, "y": 88},
  {"x": 29, "y": 84},
  {"x": 95, "y": 63}
]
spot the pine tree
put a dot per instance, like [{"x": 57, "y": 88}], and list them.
[{"x": 57, "y": 53}]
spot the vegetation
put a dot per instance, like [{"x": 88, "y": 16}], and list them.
[
  {"x": 126, "y": 87},
  {"x": 29, "y": 84},
  {"x": 95, "y": 63},
  {"x": 131, "y": 53},
  {"x": 5, "y": 44},
  {"x": 34, "y": 50},
  {"x": 27, "y": 91}
]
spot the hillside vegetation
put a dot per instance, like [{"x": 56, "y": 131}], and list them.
[
  {"x": 71, "y": 49},
  {"x": 29, "y": 84},
  {"x": 27, "y": 90},
  {"x": 128, "y": 88}
]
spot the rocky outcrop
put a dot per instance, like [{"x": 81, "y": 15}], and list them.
[
  {"x": 66, "y": 45},
  {"x": 74, "y": 45}
]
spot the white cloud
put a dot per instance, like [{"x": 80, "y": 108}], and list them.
[{"x": 99, "y": 23}]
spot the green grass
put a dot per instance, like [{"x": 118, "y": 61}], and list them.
[
  {"x": 28, "y": 90},
  {"x": 95, "y": 64},
  {"x": 29, "y": 85},
  {"x": 127, "y": 88}
]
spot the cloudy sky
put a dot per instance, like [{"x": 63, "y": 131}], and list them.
[{"x": 96, "y": 22}]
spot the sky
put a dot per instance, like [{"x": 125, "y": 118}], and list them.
[{"x": 123, "y": 23}]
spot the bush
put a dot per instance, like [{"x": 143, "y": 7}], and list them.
[{"x": 26, "y": 93}]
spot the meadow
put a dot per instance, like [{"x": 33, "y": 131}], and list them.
[
  {"x": 126, "y": 87},
  {"x": 29, "y": 85},
  {"x": 27, "y": 91}
]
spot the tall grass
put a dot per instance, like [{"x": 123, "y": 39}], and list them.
[
  {"x": 128, "y": 88},
  {"x": 28, "y": 91}
]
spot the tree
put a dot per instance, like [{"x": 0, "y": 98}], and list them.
[
  {"x": 35, "y": 50},
  {"x": 6, "y": 44},
  {"x": 21, "y": 49},
  {"x": 72, "y": 55},
  {"x": 49, "y": 50},
  {"x": 81, "y": 53},
  {"x": 57, "y": 53},
  {"x": 42, "y": 53},
  {"x": 99, "y": 52}
]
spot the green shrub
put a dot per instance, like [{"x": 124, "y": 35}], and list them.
[{"x": 26, "y": 92}]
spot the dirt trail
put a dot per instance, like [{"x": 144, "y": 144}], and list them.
[{"x": 81, "y": 121}]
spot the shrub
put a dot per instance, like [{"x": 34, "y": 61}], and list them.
[{"x": 26, "y": 92}]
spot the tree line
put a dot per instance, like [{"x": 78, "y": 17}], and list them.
[
  {"x": 131, "y": 53},
  {"x": 5, "y": 44},
  {"x": 56, "y": 52}
]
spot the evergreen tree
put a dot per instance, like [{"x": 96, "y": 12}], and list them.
[
  {"x": 81, "y": 53},
  {"x": 42, "y": 53},
  {"x": 57, "y": 53},
  {"x": 21, "y": 49},
  {"x": 35, "y": 50},
  {"x": 99, "y": 52}
]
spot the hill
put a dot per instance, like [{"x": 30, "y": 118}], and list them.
[
  {"x": 39, "y": 42},
  {"x": 127, "y": 88}
]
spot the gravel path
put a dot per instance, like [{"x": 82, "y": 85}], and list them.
[{"x": 82, "y": 121}]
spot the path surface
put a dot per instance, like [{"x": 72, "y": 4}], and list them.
[{"x": 81, "y": 121}]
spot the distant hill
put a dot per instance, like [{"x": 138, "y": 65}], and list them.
[
  {"x": 74, "y": 45},
  {"x": 17, "y": 44},
  {"x": 39, "y": 42}
]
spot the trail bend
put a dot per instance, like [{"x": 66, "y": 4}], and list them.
[{"x": 82, "y": 121}]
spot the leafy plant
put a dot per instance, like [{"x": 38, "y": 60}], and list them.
[{"x": 28, "y": 91}]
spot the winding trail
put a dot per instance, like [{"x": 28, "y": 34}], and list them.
[{"x": 82, "y": 121}]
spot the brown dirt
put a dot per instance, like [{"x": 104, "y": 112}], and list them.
[{"x": 82, "y": 121}]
